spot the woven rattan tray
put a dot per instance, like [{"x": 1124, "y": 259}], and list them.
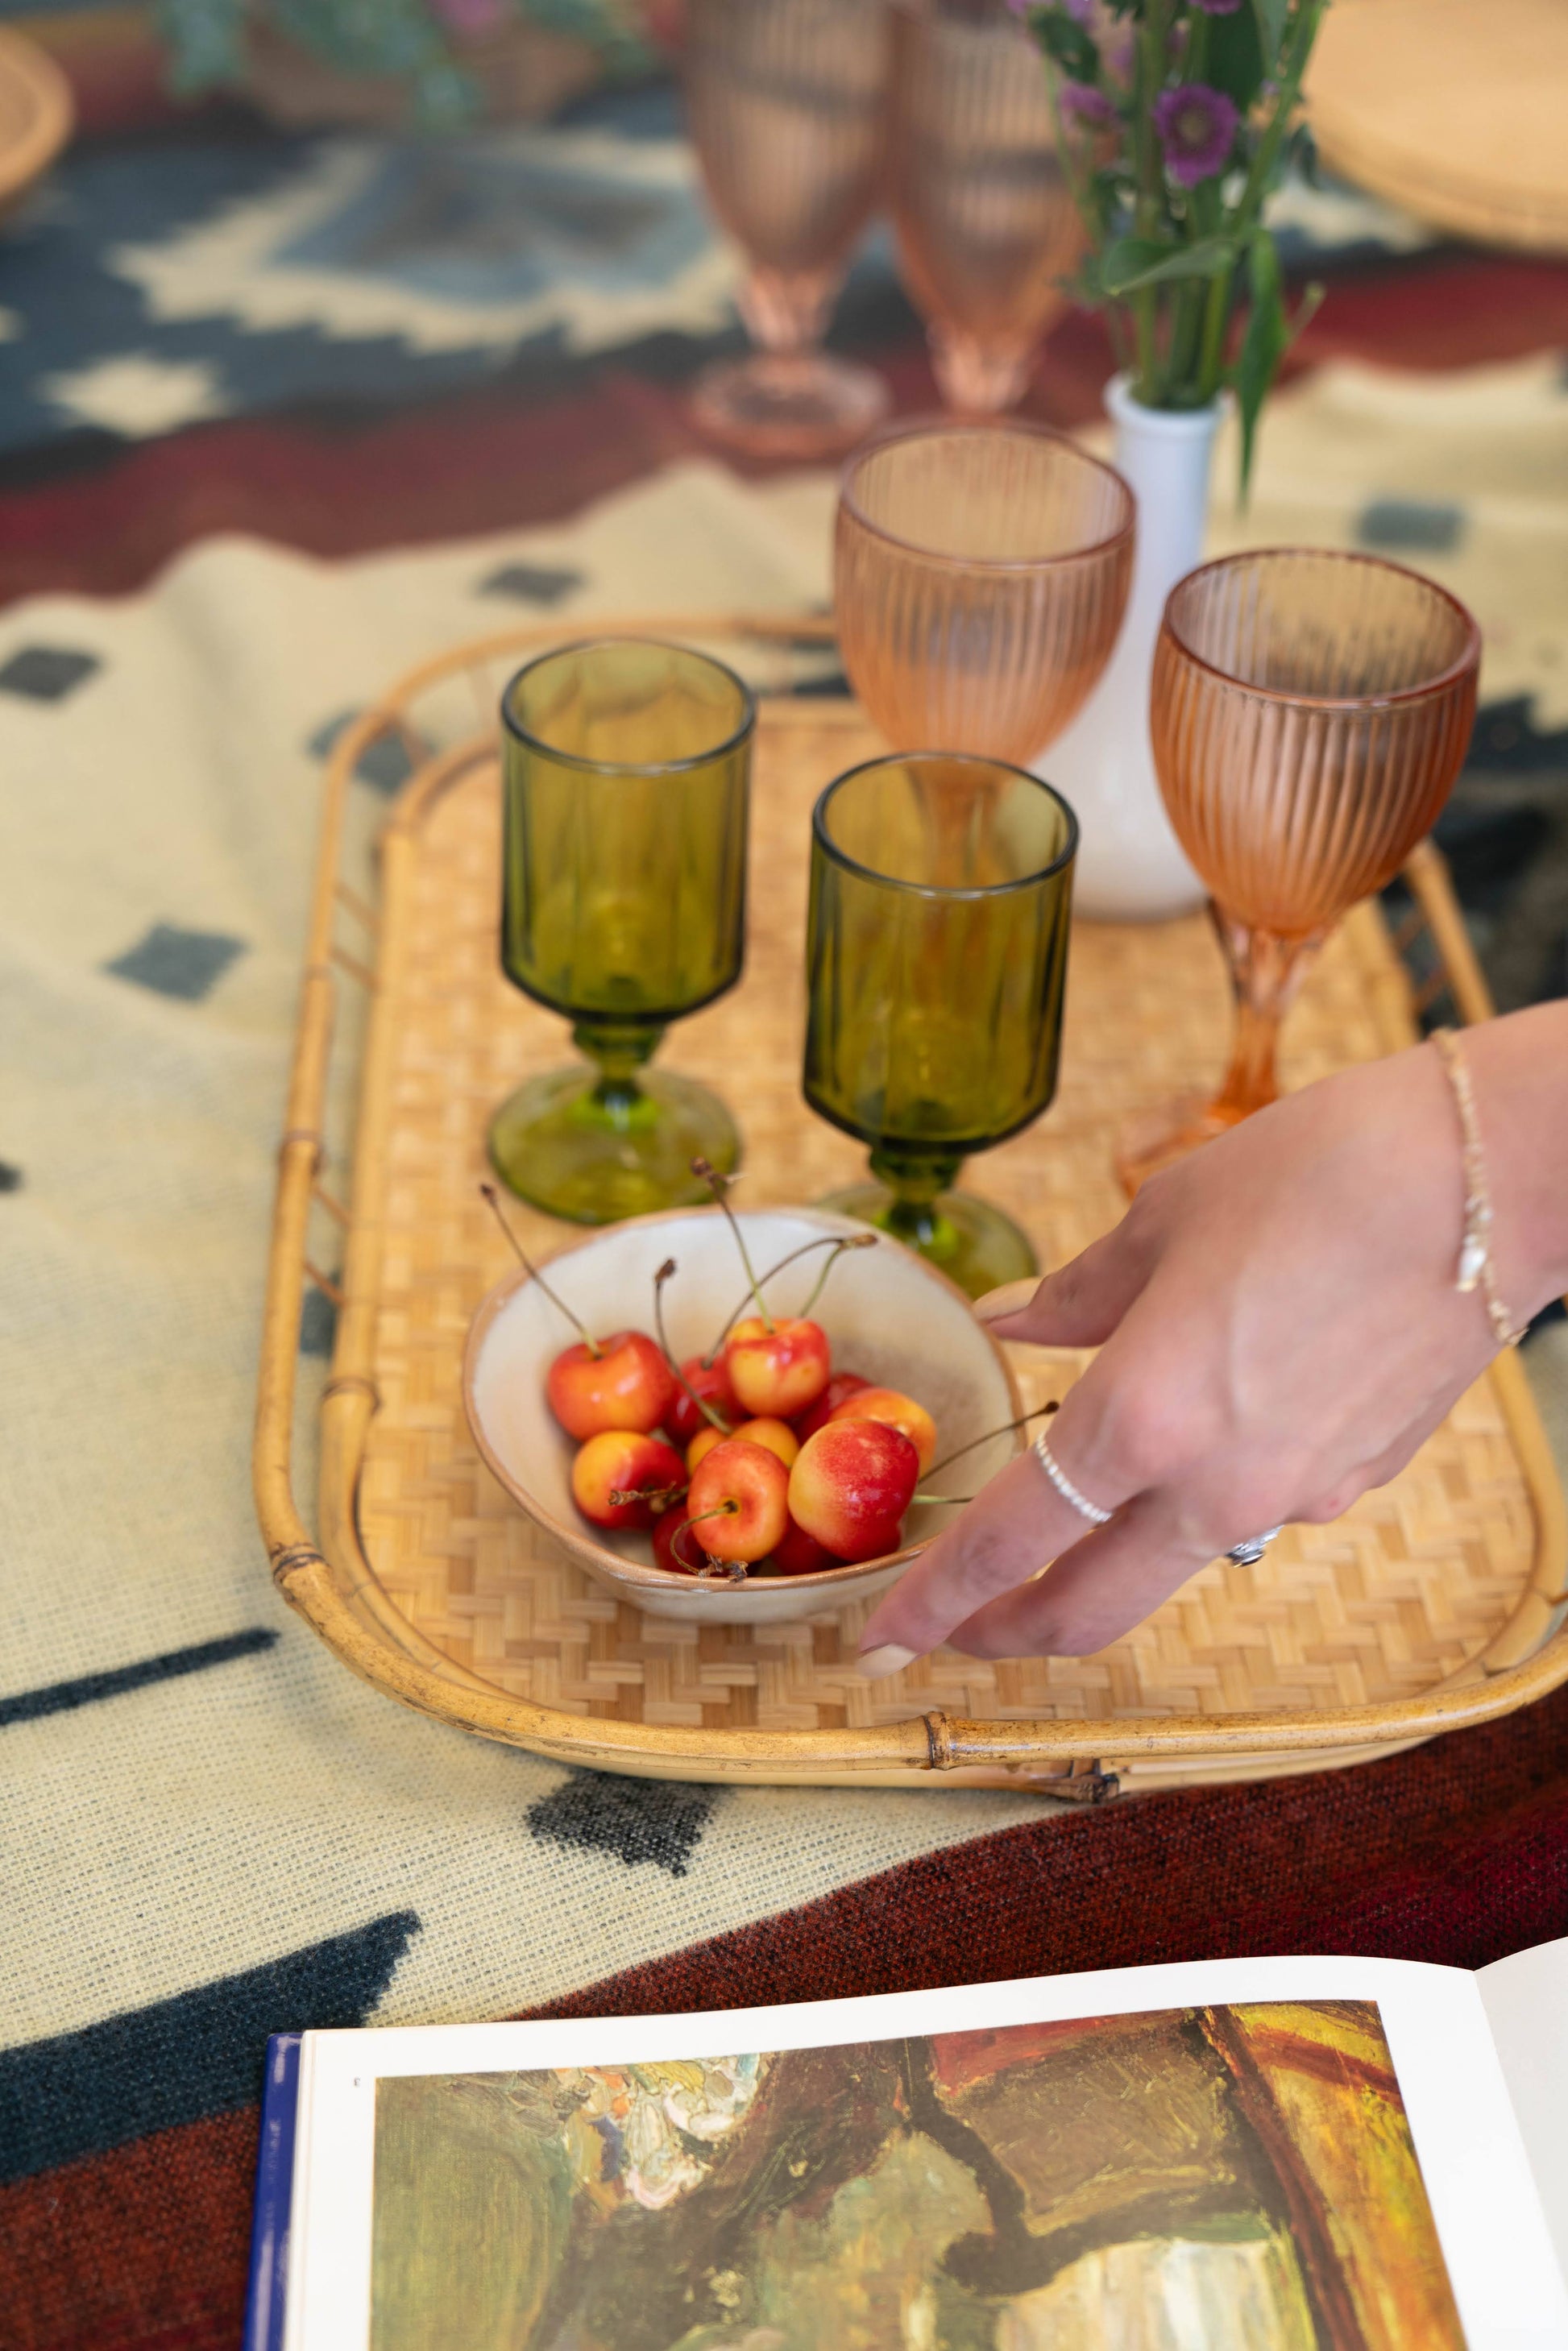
[{"x": 1432, "y": 1604}]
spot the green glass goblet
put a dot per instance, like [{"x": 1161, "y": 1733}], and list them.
[
  {"x": 624, "y": 903},
  {"x": 936, "y": 966}
]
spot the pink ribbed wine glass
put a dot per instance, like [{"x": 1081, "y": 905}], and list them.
[
  {"x": 1310, "y": 712},
  {"x": 981, "y": 573},
  {"x": 986, "y": 221},
  {"x": 786, "y": 102}
]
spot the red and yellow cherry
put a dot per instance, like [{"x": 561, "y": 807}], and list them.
[
  {"x": 738, "y": 1504},
  {"x": 626, "y": 1385},
  {"x": 666, "y": 1527},
  {"x": 777, "y": 1372},
  {"x": 619, "y": 1461},
  {"x": 841, "y": 1384},
  {"x": 852, "y": 1485},
  {"x": 701, "y": 1445},
  {"x": 776, "y": 1434},
  {"x": 711, "y": 1382},
  {"x": 896, "y": 1411},
  {"x": 795, "y": 1554}
]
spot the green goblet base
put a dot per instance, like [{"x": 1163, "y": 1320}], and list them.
[
  {"x": 973, "y": 1243},
  {"x": 594, "y": 1149}
]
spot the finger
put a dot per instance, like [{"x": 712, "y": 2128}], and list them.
[
  {"x": 1005, "y": 1535},
  {"x": 1081, "y": 1303},
  {"x": 1094, "y": 1592}
]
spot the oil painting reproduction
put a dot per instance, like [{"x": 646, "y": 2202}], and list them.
[{"x": 1237, "y": 2179}]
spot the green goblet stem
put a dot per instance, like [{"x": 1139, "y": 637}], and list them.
[
  {"x": 617, "y": 1053},
  {"x": 915, "y": 1179}
]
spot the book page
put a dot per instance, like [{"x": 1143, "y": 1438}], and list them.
[
  {"x": 1526, "y": 1999},
  {"x": 1268, "y": 2155}
]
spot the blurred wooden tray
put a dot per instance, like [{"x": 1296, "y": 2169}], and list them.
[{"x": 1430, "y": 1605}]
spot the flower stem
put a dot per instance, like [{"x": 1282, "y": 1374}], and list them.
[{"x": 490, "y": 1195}]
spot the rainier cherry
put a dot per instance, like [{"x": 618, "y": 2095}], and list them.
[
  {"x": 737, "y": 1506},
  {"x": 841, "y": 1384},
  {"x": 666, "y": 1527},
  {"x": 776, "y": 1367},
  {"x": 898, "y": 1411},
  {"x": 852, "y": 1485},
  {"x": 795, "y": 1554},
  {"x": 684, "y": 1419},
  {"x": 624, "y": 1461},
  {"x": 623, "y": 1382}
]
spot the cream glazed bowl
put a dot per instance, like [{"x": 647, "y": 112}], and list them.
[{"x": 888, "y": 1316}]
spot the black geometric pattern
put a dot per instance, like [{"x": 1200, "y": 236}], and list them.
[
  {"x": 656, "y": 1821},
  {"x": 10, "y": 1178},
  {"x": 384, "y": 765},
  {"x": 115, "y": 1681},
  {"x": 1410, "y": 522},
  {"x": 172, "y": 962},
  {"x": 1507, "y": 740},
  {"x": 317, "y": 1324},
  {"x": 184, "y": 2059},
  {"x": 531, "y": 583},
  {"x": 46, "y": 672}
]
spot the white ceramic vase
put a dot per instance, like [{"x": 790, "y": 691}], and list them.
[{"x": 1131, "y": 867}]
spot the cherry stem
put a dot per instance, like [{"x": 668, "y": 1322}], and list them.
[
  {"x": 953, "y": 1499},
  {"x": 708, "y": 1410},
  {"x": 1006, "y": 1430},
  {"x": 858, "y": 1240},
  {"x": 719, "y": 1186},
  {"x": 825, "y": 1240},
  {"x": 736, "y": 1569},
  {"x": 492, "y": 1200},
  {"x": 662, "y": 1498}
]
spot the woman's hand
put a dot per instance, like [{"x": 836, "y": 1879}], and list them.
[{"x": 1278, "y": 1330}]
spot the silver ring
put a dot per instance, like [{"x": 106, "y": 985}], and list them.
[
  {"x": 1065, "y": 1487},
  {"x": 1248, "y": 1553}
]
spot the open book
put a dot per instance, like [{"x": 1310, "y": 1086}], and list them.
[{"x": 1245, "y": 2155}]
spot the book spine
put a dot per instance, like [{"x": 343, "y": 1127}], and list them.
[{"x": 274, "y": 2194}]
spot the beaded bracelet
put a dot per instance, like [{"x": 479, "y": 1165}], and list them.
[{"x": 1474, "y": 1267}]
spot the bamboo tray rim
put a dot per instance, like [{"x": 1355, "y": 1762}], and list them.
[{"x": 330, "y": 1582}]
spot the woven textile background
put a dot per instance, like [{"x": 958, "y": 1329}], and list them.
[{"x": 211, "y": 1832}]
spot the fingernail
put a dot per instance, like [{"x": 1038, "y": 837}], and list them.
[
  {"x": 877, "y": 1663},
  {"x": 1012, "y": 1298}
]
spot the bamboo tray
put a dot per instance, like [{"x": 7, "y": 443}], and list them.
[{"x": 1432, "y": 1604}]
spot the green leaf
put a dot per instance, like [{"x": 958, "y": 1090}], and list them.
[
  {"x": 1263, "y": 345},
  {"x": 1233, "y": 57},
  {"x": 1065, "y": 40},
  {"x": 1134, "y": 261},
  {"x": 1269, "y": 17}
]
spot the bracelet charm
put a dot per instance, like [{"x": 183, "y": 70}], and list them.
[{"x": 1474, "y": 1269}]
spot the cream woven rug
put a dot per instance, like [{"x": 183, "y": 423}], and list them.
[{"x": 192, "y": 1786}]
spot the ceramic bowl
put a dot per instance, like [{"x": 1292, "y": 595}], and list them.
[{"x": 887, "y": 1314}]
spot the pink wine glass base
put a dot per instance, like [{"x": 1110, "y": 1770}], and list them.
[{"x": 788, "y": 404}]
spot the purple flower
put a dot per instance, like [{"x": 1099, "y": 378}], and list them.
[
  {"x": 1082, "y": 103},
  {"x": 1197, "y": 125},
  {"x": 1218, "y": 7}
]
